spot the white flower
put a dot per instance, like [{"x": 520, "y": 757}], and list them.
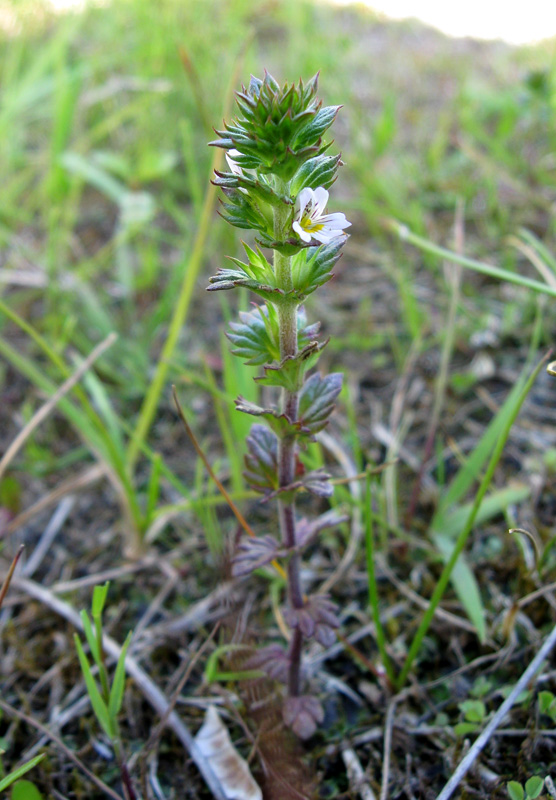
[
  {"x": 235, "y": 168},
  {"x": 311, "y": 222}
]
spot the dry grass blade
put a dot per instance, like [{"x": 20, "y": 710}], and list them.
[
  {"x": 86, "y": 478},
  {"x": 159, "y": 727},
  {"x": 13, "y": 565},
  {"x": 535, "y": 260},
  {"x": 49, "y": 406},
  {"x": 356, "y": 774}
]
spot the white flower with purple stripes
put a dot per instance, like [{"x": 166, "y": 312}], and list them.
[{"x": 310, "y": 221}]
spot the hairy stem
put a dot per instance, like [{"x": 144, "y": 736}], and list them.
[{"x": 287, "y": 316}]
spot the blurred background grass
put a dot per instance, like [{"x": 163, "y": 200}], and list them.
[{"x": 106, "y": 113}]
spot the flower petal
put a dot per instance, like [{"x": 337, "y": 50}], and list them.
[
  {"x": 234, "y": 168},
  {"x": 320, "y": 199},
  {"x": 336, "y": 220},
  {"x": 303, "y": 235},
  {"x": 302, "y": 200}
]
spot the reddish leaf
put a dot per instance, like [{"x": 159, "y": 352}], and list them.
[
  {"x": 317, "y": 618},
  {"x": 273, "y": 660},
  {"x": 302, "y": 714},
  {"x": 253, "y": 554},
  {"x": 262, "y": 459}
]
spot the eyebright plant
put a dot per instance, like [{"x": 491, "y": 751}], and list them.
[{"x": 279, "y": 173}]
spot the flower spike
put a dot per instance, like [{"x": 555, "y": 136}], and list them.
[{"x": 276, "y": 185}]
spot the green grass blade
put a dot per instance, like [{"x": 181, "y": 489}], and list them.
[
  {"x": 462, "y": 538},
  {"x": 20, "y": 771},
  {"x": 486, "y": 269},
  {"x": 191, "y": 268},
  {"x": 462, "y": 578},
  {"x": 90, "y": 636},
  {"x": 99, "y": 706},
  {"x": 85, "y": 422},
  {"x": 99, "y": 600},
  {"x": 118, "y": 684}
]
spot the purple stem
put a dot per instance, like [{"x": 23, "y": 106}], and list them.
[{"x": 287, "y": 317}]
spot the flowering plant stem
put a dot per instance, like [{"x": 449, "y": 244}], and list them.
[
  {"x": 287, "y": 321},
  {"x": 277, "y": 186}
]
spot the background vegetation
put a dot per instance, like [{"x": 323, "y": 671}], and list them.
[{"x": 108, "y": 225}]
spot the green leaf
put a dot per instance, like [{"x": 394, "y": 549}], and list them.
[
  {"x": 316, "y": 401},
  {"x": 279, "y": 423},
  {"x": 289, "y": 373},
  {"x": 20, "y": 771},
  {"x": 98, "y": 704},
  {"x": 90, "y": 636},
  {"x": 257, "y": 189},
  {"x": 99, "y": 600},
  {"x": 256, "y": 274},
  {"x": 473, "y": 710},
  {"x": 534, "y": 786},
  {"x": 515, "y": 790},
  {"x": 318, "y": 171},
  {"x": 311, "y": 133},
  {"x": 256, "y": 336},
  {"x": 25, "y": 790},
  {"x": 312, "y": 266},
  {"x": 463, "y": 728},
  {"x": 241, "y": 212},
  {"x": 545, "y": 700},
  {"x": 118, "y": 684}
]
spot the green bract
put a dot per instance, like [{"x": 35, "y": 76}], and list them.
[{"x": 279, "y": 128}]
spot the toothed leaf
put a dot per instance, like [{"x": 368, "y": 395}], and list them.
[
  {"x": 273, "y": 660},
  {"x": 313, "y": 266},
  {"x": 256, "y": 337},
  {"x": 279, "y": 423},
  {"x": 289, "y": 374},
  {"x": 308, "y": 530},
  {"x": 318, "y": 171},
  {"x": 311, "y": 133},
  {"x": 317, "y": 618},
  {"x": 261, "y": 460},
  {"x": 303, "y": 714},
  {"x": 316, "y": 401},
  {"x": 253, "y": 554}
]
